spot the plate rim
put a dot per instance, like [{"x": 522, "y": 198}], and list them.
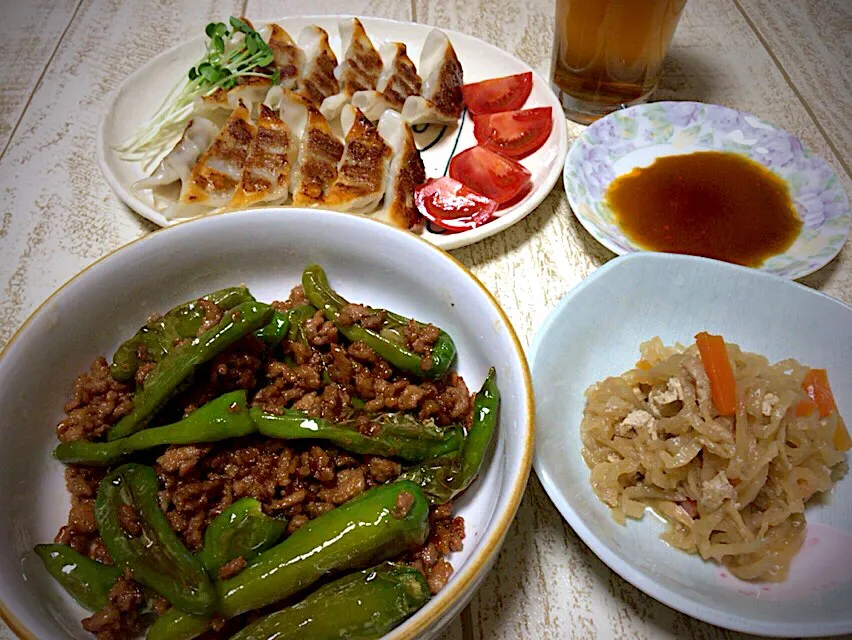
[
  {"x": 598, "y": 235},
  {"x": 442, "y": 241},
  {"x": 626, "y": 571},
  {"x": 470, "y": 576}
]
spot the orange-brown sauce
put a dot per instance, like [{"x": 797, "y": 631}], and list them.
[{"x": 709, "y": 203}]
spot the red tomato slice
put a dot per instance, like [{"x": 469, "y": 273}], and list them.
[
  {"x": 452, "y": 206},
  {"x": 490, "y": 174},
  {"x": 514, "y": 133},
  {"x": 498, "y": 94}
]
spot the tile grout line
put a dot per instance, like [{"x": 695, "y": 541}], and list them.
[
  {"x": 243, "y": 8},
  {"x": 795, "y": 90},
  {"x": 38, "y": 82},
  {"x": 414, "y": 10}
]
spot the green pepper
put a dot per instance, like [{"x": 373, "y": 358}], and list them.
[
  {"x": 298, "y": 317},
  {"x": 168, "y": 374},
  {"x": 360, "y": 606},
  {"x": 175, "y": 624},
  {"x": 398, "y": 435},
  {"x": 444, "y": 478},
  {"x": 389, "y": 342},
  {"x": 225, "y": 417},
  {"x": 380, "y": 523},
  {"x": 156, "y": 558},
  {"x": 240, "y": 530},
  {"x": 159, "y": 336},
  {"x": 276, "y": 330},
  {"x": 87, "y": 581}
]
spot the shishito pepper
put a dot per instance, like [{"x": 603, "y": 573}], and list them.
[
  {"x": 87, "y": 581},
  {"x": 379, "y": 524},
  {"x": 242, "y": 529},
  {"x": 442, "y": 479},
  {"x": 360, "y": 606},
  {"x": 159, "y": 335},
  {"x": 389, "y": 342},
  {"x": 225, "y": 417},
  {"x": 276, "y": 330},
  {"x": 395, "y": 434},
  {"x": 168, "y": 374},
  {"x": 156, "y": 557}
]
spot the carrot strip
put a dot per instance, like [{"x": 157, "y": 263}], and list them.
[
  {"x": 714, "y": 357},
  {"x": 842, "y": 441},
  {"x": 816, "y": 386},
  {"x": 805, "y": 408}
]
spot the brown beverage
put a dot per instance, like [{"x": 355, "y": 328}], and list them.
[{"x": 609, "y": 53}]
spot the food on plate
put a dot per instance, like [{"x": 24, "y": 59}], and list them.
[
  {"x": 490, "y": 174},
  {"x": 725, "y": 446},
  {"x": 299, "y": 129},
  {"x": 319, "y": 150},
  {"x": 362, "y": 174},
  {"x": 266, "y": 174},
  {"x": 441, "y": 99},
  {"x": 245, "y": 467},
  {"x": 496, "y": 95},
  {"x": 318, "y": 81},
  {"x": 215, "y": 177},
  {"x": 397, "y": 81},
  {"x": 715, "y": 204},
  {"x": 177, "y": 165},
  {"x": 515, "y": 134},
  {"x": 452, "y": 206},
  {"x": 288, "y": 57},
  {"x": 405, "y": 174},
  {"x": 359, "y": 70}
]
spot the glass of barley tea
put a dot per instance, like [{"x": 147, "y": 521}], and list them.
[{"x": 609, "y": 54}]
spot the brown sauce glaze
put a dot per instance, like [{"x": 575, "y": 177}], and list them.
[{"x": 709, "y": 203}]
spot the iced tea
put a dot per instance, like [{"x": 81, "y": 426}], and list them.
[{"x": 609, "y": 53}]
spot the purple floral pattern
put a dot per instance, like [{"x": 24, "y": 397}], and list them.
[{"x": 816, "y": 192}]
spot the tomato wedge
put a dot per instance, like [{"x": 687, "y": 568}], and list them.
[
  {"x": 514, "y": 133},
  {"x": 498, "y": 94},
  {"x": 452, "y": 206},
  {"x": 494, "y": 176}
]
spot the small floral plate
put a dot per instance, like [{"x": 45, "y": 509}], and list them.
[{"x": 637, "y": 136}]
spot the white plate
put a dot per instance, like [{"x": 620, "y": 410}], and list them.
[
  {"x": 143, "y": 91},
  {"x": 635, "y": 137},
  {"x": 595, "y": 331}
]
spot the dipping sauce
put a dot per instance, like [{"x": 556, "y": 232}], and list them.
[{"x": 709, "y": 203}]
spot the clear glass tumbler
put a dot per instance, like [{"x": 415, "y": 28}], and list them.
[{"x": 609, "y": 54}]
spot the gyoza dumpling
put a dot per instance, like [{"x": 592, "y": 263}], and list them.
[
  {"x": 397, "y": 81},
  {"x": 362, "y": 173},
  {"x": 250, "y": 90},
  {"x": 266, "y": 174},
  {"x": 441, "y": 100},
  {"x": 214, "y": 178},
  {"x": 318, "y": 81},
  {"x": 289, "y": 58},
  {"x": 177, "y": 165},
  {"x": 319, "y": 151},
  {"x": 405, "y": 174},
  {"x": 359, "y": 70}
]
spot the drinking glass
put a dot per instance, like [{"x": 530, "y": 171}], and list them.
[{"x": 609, "y": 54}]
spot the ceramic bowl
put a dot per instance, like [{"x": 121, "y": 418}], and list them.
[
  {"x": 267, "y": 250},
  {"x": 635, "y": 137},
  {"x": 595, "y": 332}
]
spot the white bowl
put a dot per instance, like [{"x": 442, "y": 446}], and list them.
[
  {"x": 595, "y": 332},
  {"x": 267, "y": 250}
]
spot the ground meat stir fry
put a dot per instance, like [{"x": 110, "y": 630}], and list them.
[{"x": 323, "y": 375}]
